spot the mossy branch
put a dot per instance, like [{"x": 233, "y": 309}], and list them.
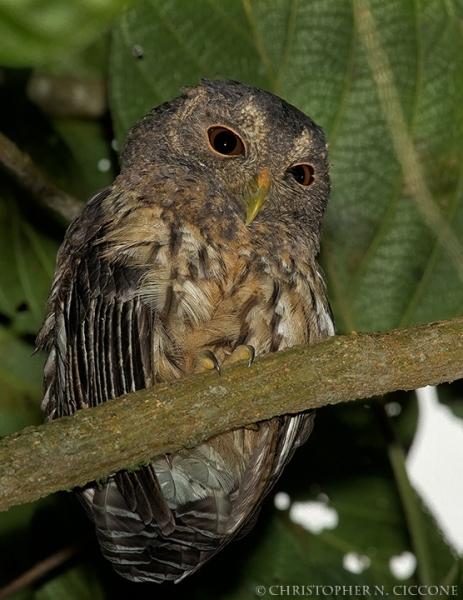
[{"x": 129, "y": 431}]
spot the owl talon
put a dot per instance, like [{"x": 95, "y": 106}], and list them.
[
  {"x": 206, "y": 361},
  {"x": 240, "y": 353}
]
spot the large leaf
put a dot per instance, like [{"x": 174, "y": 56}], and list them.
[
  {"x": 20, "y": 383},
  {"x": 76, "y": 584},
  {"x": 27, "y": 262},
  {"x": 35, "y": 31},
  {"x": 371, "y": 74}
]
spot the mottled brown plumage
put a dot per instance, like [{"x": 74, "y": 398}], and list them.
[{"x": 206, "y": 241}]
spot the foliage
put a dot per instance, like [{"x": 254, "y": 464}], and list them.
[{"x": 376, "y": 76}]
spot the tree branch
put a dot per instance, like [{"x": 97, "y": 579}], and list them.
[
  {"x": 129, "y": 431},
  {"x": 21, "y": 166}
]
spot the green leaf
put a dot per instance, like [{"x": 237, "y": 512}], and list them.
[
  {"x": 77, "y": 583},
  {"x": 281, "y": 48},
  {"x": 91, "y": 151},
  {"x": 33, "y": 32},
  {"x": 386, "y": 251},
  {"x": 20, "y": 383},
  {"x": 27, "y": 263}
]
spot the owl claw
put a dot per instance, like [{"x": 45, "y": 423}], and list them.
[
  {"x": 240, "y": 353},
  {"x": 206, "y": 361}
]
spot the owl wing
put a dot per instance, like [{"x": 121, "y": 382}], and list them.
[{"x": 99, "y": 337}]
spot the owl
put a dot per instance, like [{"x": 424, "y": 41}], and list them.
[{"x": 205, "y": 245}]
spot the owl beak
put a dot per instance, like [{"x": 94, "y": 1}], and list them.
[{"x": 259, "y": 190}]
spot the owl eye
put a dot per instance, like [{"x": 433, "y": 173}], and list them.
[
  {"x": 225, "y": 141},
  {"x": 302, "y": 174}
]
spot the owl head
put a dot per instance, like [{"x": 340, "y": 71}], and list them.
[{"x": 252, "y": 157}]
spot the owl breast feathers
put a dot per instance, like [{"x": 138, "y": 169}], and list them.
[{"x": 206, "y": 241}]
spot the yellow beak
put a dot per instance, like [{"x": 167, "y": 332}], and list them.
[{"x": 256, "y": 198}]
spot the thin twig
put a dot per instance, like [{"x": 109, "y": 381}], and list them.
[
  {"x": 39, "y": 570},
  {"x": 29, "y": 176}
]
